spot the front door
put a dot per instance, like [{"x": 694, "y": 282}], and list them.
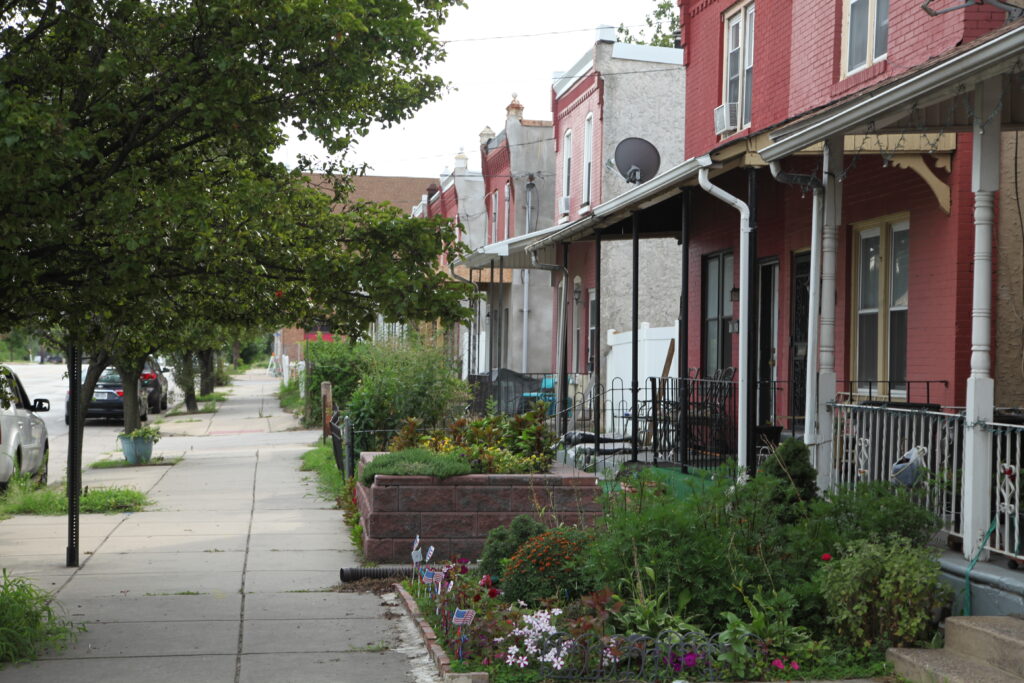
[{"x": 801, "y": 298}]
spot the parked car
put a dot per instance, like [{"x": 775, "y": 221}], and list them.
[
  {"x": 24, "y": 445},
  {"x": 155, "y": 383},
  {"x": 108, "y": 398}
]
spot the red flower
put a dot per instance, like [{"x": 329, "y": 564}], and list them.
[
  {"x": 825, "y": 557},
  {"x": 476, "y": 598},
  {"x": 493, "y": 593},
  {"x": 279, "y": 294}
]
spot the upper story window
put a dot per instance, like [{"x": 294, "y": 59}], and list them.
[
  {"x": 566, "y": 172},
  {"x": 494, "y": 216},
  {"x": 588, "y": 158},
  {"x": 865, "y": 33},
  {"x": 508, "y": 209},
  {"x": 738, "y": 83}
]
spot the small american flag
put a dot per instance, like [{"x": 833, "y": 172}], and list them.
[
  {"x": 437, "y": 577},
  {"x": 428, "y": 576},
  {"x": 416, "y": 543},
  {"x": 463, "y": 617},
  {"x": 430, "y": 553}
]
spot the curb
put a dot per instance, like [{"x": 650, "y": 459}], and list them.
[{"x": 437, "y": 653}]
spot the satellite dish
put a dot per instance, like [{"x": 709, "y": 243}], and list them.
[{"x": 637, "y": 160}]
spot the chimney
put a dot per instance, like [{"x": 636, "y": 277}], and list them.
[
  {"x": 514, "y": 109},
  {"x": 486, "y": 135},
  {"x": 461, "y": 162},
  {"x": 606, "y": 34}
]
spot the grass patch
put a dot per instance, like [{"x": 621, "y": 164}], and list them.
[
  {"x": 29, "y": 621},
  {"x": 290, "y": 398},
  {"x": 209, "y": 407},
  {"x": 331, "y": 481},
  {"x": 111, "y": 464},
  {"x": 214, "y": 396},
  {"x": 416, "y": 462},
  {"x": 23, "y": 497}
]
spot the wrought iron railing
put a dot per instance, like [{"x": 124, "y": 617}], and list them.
[{"x": 1007, "y": 444}]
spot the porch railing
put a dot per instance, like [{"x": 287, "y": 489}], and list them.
[
  {"x": 869, "y": 439},
  {"x": 1007, "y": 443}
]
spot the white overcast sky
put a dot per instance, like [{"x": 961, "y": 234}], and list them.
[{"x": 495, "y": 51}]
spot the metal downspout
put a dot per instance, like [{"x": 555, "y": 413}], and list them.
[
  {"x": 451, "y": 270},
  {"x": 561, "y": 319},
  {"x": 743, "y": 428},
  {"x": 817, "y": 208},
  {"x": 635, "y": 360}
]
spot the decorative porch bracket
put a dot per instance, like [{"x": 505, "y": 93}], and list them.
[
  {"x": 917, "y": 164},
  {"x": 980, "y": 386}
]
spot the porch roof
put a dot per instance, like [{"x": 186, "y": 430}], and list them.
[
  {"x": 911, "y": 100},
  {"x": 511, "y": 253}
]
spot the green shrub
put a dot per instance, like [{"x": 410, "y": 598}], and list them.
[
  {"x": 547, "y": 566},
  {"x": 340, "y": 363},
  {"x": 503, "y": 541},
  {"x": 877, "y": 510},
  {"x": 498, "y": 443},
  {"x": 403, "y": 379},
  {"x": 415, "y": 461},
  {"x": 791, "y": 462},
  {"x": 29, "y": 622},
  {"x": 883, "y": 594}
]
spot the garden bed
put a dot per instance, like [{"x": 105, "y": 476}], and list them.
[{"x": 455, "y": 514}]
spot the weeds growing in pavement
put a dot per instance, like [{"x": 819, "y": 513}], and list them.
[
  {"x": 29, "y": 621},
  {"x": 24, "y": 497}
]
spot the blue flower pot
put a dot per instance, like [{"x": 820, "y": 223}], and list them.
[{"x": 137, "y": 450}]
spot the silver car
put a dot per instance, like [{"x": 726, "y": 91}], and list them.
[{"x": 24, "y": 446}]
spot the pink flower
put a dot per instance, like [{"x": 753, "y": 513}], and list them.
[
  {"x": 793, "y": 665},
  {"x": 777, "y": 663},
  {"x": 825, "y": 557},
  {"x": 690, "y": 659},
  {"x": 486, "y": 581}
]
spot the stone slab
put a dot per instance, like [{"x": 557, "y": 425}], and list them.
[
  {"x": 194, "y": 669},
  {"x": 282, "y": 582},
  {"x": 174, "y": 544},
  {"x": 317, "y": 635},
  {"x": 206, "y": 607},
  {"x": 326, "y": 605},
  {"x": 155, "y": 639},
  {"x": 271, "y": 541},
  {"x": 139, "y": 585},
  {"x": 290, "y": 560},
  {"x": 149, "y": 562},
  {"x": 348, "y": 667}
]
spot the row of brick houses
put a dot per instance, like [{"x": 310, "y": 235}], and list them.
[{"x": 834, "y": 232}]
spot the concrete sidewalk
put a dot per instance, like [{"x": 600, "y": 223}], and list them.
[{"x": 224, "y": 578}]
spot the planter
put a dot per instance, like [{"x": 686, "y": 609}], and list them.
[
  {"x": 455, "y": 515},
  {"x": 137, "y": 450}
]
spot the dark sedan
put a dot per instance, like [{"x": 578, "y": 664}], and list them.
[
  {"x": 108, "y": 398},
  {"x": 155, "y": 384}
]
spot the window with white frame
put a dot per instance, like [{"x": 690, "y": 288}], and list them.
[
  {"x": 508, "y": 209},
  {"x": 738, "y": 86},
  {"x": 566, "y": 171},
  {"x": 494, "y": 216},
  {"x": 865, "y": 33},
  {"x": 881, "y": 268},
  {"x": 588, "y": 157}
]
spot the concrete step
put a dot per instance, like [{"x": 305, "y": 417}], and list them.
[
  {"x": 945, "y": 666},
  {"x": 997, "y": 641}
]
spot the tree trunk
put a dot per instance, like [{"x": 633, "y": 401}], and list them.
[
  {"x": 129, "y": 371},
  {"x": 207, "y": 372},
  {"x": 185, "y": 375},
  {"x": 97, "y": 364},
  {"x": 236, "y": 354}
]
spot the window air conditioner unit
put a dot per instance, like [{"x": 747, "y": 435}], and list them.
[
  {"x": 725, "y": 118},
  {"x": 564, "y": 205}
]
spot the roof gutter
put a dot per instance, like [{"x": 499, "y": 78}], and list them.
[{"x": 978, "y": 63}]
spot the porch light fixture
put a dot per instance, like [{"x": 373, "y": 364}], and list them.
[
  {"x": 577, "y": 293},
  {"x": 734, "y": 294},
  {"x": 734, "y": 327}
]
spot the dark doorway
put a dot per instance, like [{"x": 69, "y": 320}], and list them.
[
  {"x": 767, "y": 336},
  {"x": 801, "y": 296}
]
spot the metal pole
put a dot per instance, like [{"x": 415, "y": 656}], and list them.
[
  {"x": 636, "y": 333},
  {"x": 74, "y": 451},
  {"x": 563, "y": 374},
  {"x": 684, "y": 334},
  {"x": 350, "y": 448}
]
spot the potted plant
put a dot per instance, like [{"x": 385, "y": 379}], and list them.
[{"x": 138, "y": 445}]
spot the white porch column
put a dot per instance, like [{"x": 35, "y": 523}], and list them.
[
  {"x": 833, "y": 168},
  {"x": 980, "y": 387}
]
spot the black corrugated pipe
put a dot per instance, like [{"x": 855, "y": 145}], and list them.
[{"x": 349, "y": 574}]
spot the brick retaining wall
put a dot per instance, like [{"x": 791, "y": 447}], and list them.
[{"x": 455, "y": 514}]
